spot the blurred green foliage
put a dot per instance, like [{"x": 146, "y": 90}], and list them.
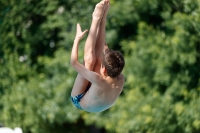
[{"x": 161, "y": 44}]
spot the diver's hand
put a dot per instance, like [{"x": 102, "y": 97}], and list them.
[{"x": 79, "y": 33}]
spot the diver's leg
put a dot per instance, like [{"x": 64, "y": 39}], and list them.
[
  {"x": 100, "y": 43},
  {"x": 89, "y": 50},
  {"x": 81, "y": 83}
]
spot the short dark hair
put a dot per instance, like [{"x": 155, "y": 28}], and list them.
[{"x": 114, "y": 62}]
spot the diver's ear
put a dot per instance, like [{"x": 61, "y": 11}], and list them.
[{"x": 104, "y": 69}]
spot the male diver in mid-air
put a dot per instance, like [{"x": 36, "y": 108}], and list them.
[{"x": 99, "y": 81}]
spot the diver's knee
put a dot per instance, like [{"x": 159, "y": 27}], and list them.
[{"x": 89, "y": 62}]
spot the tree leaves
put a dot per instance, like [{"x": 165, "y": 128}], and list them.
[{"x": 160, "y": 41}]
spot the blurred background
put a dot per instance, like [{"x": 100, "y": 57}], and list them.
[{"x": 161, "y": 44}]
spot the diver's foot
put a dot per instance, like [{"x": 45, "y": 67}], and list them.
[
  {"x": 99, "y": 10},
  {"x": 107, "y": 7}
]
